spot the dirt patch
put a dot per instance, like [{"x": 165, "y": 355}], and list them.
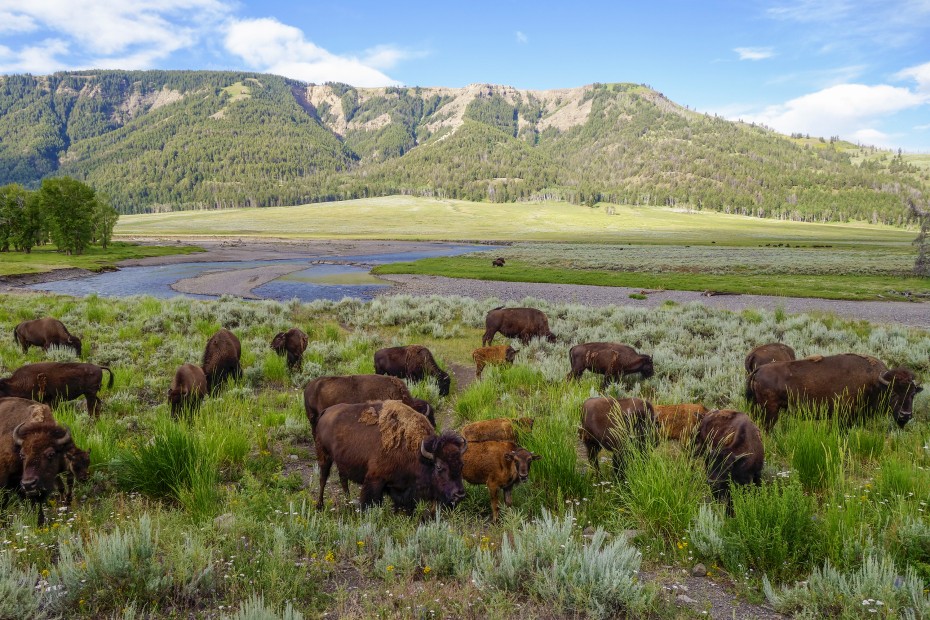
[
  {"x": 716, "y": 597},
  {"x": 238, "y": 282},
  {"x": 464, "y": 375}
]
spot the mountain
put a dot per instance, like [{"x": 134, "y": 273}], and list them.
[{"x": 163, "y": 140}]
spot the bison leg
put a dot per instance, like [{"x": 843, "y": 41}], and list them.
[
  {"x": 488, "y": 336},
  {"x": 93, "y": 404},
  {"x": 508, "y": 496},
  {"x": 372, "y": 492},
  {"x": 479, "y": 367},
  {"x": 344, "y": 481},
  {"x": 41, "y": 512},
  {"x": 325, "y": 463},
  {"x": 494, "y": 489},
  {"x": 593, "y": 451}
]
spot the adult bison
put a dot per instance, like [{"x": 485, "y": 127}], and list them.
[
  {"x": 32, "y": 451},
  {"x": 413, "y": 362},
  {"x": 498, "y": 262},
  {"x": 858, "y": 384},
  {"x": 618, "y": 426},
  {"x": 522, "y": 323},
  {"x": 51, "y": 382},
  {"x": 324, "y": 392},
  {"x": 45, "y": 333},
  {"x": 188, "y": 388},
  {"x": 387, "y": 447},
  {"x": 768, "y": 353},
  {"x": 731, "y": 446},
  {"x": 293, "y": 342},
  {"x": 221, "y": 359},
  {"x": 496, "y": 355},
  {"x": 610, "y": 359}
]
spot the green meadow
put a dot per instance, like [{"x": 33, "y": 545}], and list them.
[{"x": 48, "y": 258}]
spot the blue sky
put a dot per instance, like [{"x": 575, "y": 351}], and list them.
[{"x": 856, "y": 69}]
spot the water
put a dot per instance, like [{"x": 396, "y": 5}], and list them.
[{"x": 314, "y": 282}]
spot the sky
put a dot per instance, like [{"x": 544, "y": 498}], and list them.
[{"x": 857, "y": 69}]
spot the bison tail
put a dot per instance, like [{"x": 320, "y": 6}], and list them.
[
  {"x": 750, "y": 393},
  {"x": 110, "y": 383}
]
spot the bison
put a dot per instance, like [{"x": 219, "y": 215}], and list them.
[
  {"x": 498, "y": 262},
  {"x": 522, "y": 323},
  {"x": 324, "y": 392},
  {"x": 293, "y": 342},
  {"x": 498, "y": 465},
  {"x": 188, "y": 388},
  {"x": 51, "y": 382},
  {"x": 221, "y": 359},
  {"x": 679, "y": 421},
  {"x": 45, "y": 333},
  {"x": 767, "y": 353},
  {"x": 500, "y": 354},
  {"x": 858, "y": 383},
  {"x": 618, "y": 426},
  {"x": 498, "y": 429},
  {"x": 77, "y": 467},
  {"x": 32, "y": 451},
  {"x": 731, "y": 446},
  {"x": 413, "y": 362},
  {"x": 388, "y": 447},
  {"x": 609, "y": 359}
]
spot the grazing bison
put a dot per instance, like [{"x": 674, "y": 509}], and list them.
[
  {"x": 731, "y": 446},
  {"x": 45, "y": 333},
  {"x": 858, "y": 383},
  {"x": 77, "y": 467},
  {"x": 522, "y": 323},
  {"x": 616, "y": 425},
  {"x": 32, "y": 451},
  {"x": 294, "y": 343},
  {"x": 411, "y": 362},
  {"x": 388, "y": 447},
  {"x": 609, "y": 359},
  {"x": 188, "y": 388},
  {"x": 324, "y": 392},
  {"x": 767, "y": 353},
  {"x": 679, "y": 421},
  {"x": 498, "y": 262},
  {"x": 498, "y": 465},
  {"x": 498, "y": 429},
  {"x": 221, "y": 359},
  {"x": 500, "y": 354},
  {"x": 51, "y": 382}
]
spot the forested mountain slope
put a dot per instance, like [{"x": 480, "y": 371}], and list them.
[{"x": 160, "y": 140}]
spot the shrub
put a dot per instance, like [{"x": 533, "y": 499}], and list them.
[
  {"x": 706, "y": 533},
  {"x": 255, "y": 609},
  {"x": 19, "y": 592}
]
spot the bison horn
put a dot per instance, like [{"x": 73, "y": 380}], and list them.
[
  {"x": 426, "y": 454},
  {"x": 17, "y": 439},
  {"x": 66, "y": 439},
  {"x": 883, "y": 380},
  {"x": 464, "y": 444}
]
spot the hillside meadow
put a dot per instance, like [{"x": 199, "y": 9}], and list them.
[{"x": 211, "y": 516}]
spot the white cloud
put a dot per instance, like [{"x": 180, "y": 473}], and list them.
[
  {"x": 754, "y": 53},
  {"x": 268, "y": 45},
  {"x": 522, "y": 38},
  {"x": 39, "y": 59},
  {"x": 920, "y": 74},
  {"x": 16, "y": 22}
]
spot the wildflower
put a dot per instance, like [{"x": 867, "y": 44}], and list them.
[
  {"x": 426, "y": 570},
  {"x": 330, "y": 557},
  {"x": 390, "y": 568},
  {"x": 361, "y": 544}
]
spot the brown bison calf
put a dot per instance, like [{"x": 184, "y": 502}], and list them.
[
  {"x": 500, "y": 354},
  {"x": 499, "y": 465},
  {"x": 522, "y": 323},
  {"x": 293, "y": 342},
  {"x": 610, "y": 359},
  {"x": 412, "y": 362},
  {"x": 498, "y": 429},
  {"x": 731, "y": 446},
  {"x": 679, "y": 421},
  {"x": 324, "y": 392},
  {"x": 618, "y": 426},
  {"x": 188, "y": 388},
  {"x": 51, "y": 382},
  {"x": 45, "y": 333},
  {"x": 221, "y": 359},
  {"x": 768, "y": 353}
]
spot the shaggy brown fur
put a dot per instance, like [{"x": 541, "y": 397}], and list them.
[
  {"x": 731, "y": 446},
  {"x": 414, "y": 362},
  {"x": 616, "y": 425},
  {"x": 221, "y": 359},
  {"x": 324, "y": 392},
  {"x": 498, "y": 465},
  {"x": 768, "y": 353},
  {"x": 500, "y": 354},
  {"x": 293, "y": 342},
  {"x": 51, "y": 382},
  {"x": 399, "y": 430},
  {"x": 188, "y": 388},
  {"x": 522, "y": 323},
  {"x": 611, "y": 359},
  {"x": 679, "y": 421},
  {"x": 498, "y": 429},
  {"x": 45, "y": 333}
]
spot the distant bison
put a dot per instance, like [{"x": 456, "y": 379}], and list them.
[
  {"x": 859, "y": 384},
  {"x": 767, "y": 353},
  {"x": 610, "y": 359},
  {"x": 498, "y": 262},
  {"x": 522, "y": 323},
  {"x": 498, "y": 465},
  {"x": 497, "y": 429},
  {"x": 188, "y": 388},
  {"x": 324, "y": 392},
  {"x": 221, "y": 359},
  {"x": 293, "y": 342},
  {"x": 679, "y": 421},
  {"x": 45, "y": 333},
  {"x": 731, "y": 446},
  {"x": 500, "y": 354},
  {"x": 413, "y": 362},
  {"x": 616, "y": 425},
  {"x": 387, "y": 447},
  {"x": 51, "y": 382}
]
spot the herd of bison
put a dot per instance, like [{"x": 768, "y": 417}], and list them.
[{"x": 381, "y": 437}]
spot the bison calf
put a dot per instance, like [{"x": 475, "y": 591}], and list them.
[
  {"x": 731, "y": 446},
  {"x": 618, "y": 426},
  {"x": 293, "y": 342},
  {"x": 522, "y": 323},
  {"x": 188, "y": 388},
  {"x": 51, "y": 382},
  {"x": 45, "y": 333},
  {"x": 221, "y": 359},
  {"x": 501, "y": 354},
  {"x": 412, "y": 362},
  {"x": 498, "y": 429},
  {"x": 324, "y": 392},
  {"x": 610, "y": 359},
  {"x": 498, "y": 465},
  {"x": 768, "y": 353},
  {"x": 678, "y": 421}
]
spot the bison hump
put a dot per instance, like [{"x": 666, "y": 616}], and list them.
[{"x": 400, "y": 427}]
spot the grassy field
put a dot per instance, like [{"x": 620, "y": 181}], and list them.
[
  {"x": 47, "y": 258},
  {"x": 211, "y": 516}
]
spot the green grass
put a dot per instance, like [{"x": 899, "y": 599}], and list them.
[{"x": 47, "y": 258}]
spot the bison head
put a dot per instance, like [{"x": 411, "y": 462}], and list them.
[
  {"x": 551, "y": 337},
  {"x": 511, "y": 354},
  {"x": 442, "y": 455},
  {"x": 41, "y": 450},
  {"x": 645, "y": 366},
  {"x": 75, "y": 343},
  {"x": 78, "y": 462},
  {"x": 278, "y": 342},
  {"x": 420, "y": 405},
  {"x": 4, "y": 387},
  {"x": 901, "y": 390},
  {"x": 520, "y": 460},
  {"x": 445, "y": 383}
]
